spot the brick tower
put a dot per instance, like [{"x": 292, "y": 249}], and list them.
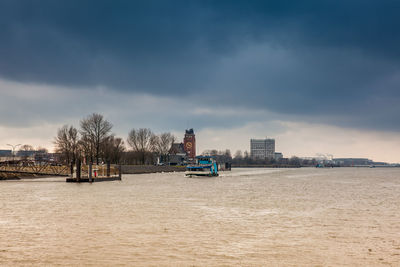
[{"x": 189, "y": 143}]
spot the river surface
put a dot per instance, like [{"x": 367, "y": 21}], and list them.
[{"x": 247, "y": 217}]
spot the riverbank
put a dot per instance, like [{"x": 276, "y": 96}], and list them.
[
  {"x": 265, "y": 166},
  {"x": 140, "y": 169}
]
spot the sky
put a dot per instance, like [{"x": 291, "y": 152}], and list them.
[{"x": 321, "y": 77}]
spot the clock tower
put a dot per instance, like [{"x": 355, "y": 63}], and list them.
[{"x": 189, "y": 143}]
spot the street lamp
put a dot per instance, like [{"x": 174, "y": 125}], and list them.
[{"x": 13, "y": 149}]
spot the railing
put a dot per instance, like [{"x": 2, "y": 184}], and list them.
[
  {"x": 30, "y": 168},
  {"x": 17, "y": 169},
  {"x": 96, "y": 171}
]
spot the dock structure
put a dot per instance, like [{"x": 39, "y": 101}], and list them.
[
  {"x": 94, "y": 173},
  {"x": 75, "y": 173},
  {"x": 25, "y": 168}
]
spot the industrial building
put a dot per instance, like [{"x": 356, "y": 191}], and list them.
[{"x": 262, "y": 148}]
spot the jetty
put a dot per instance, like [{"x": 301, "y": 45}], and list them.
[
  {"x": 74, "y": 173},
  {"x": 94, "y": 173}
]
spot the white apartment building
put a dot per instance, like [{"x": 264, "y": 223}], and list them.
[{"x": 262, "y": 148}]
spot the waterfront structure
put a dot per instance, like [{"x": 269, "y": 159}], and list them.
[
  {"x": 177, "y": 154},
  {"x": 177, "y": 148},
  {"x": 189, "y": 144},
  {"x": 262, "y": 148},
  {"x": 181, "y": 153}
]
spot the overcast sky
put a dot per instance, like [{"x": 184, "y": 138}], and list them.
[{"x": 318, "y": 76}]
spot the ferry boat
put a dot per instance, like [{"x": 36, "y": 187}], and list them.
[{"x": 204, "y": 166}]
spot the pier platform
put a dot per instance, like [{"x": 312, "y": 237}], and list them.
[{"x": 95, "y": 180}]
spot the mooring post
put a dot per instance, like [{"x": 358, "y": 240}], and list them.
[
  {"x": 90, "y": 172},
  {"x": 119, "y": 172},
  {"x": 78, "y": 170},
  {"x": 108, "y": 168},
  {"x": 72, "y": 169}
]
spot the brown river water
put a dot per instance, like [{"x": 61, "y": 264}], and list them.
[{"x": 247, "y": 217}]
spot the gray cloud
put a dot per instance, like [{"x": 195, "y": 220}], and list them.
[
  {"x": 24, "y": 106},
  {"x": 328, "y": 61}
]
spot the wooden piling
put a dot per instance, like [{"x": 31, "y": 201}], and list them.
[
  {"x": 72, "y": 169},
  {"x": 90, "y": 172},
  {"x": 78, "y": 170},
  {"x": 108, "y": 168}
]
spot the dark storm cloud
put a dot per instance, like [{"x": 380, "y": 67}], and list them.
[{"x": 332, "y": 61}]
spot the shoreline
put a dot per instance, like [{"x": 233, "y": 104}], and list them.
[
  {"x": 142, "y": 169},
  {"x": 126, "y": 169},
  {"x": 266, "y": 166}
]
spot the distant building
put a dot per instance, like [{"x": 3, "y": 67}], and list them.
[
  {"x": 278, "y": 155},
  {"x": 26, "y": 153},
  {"x": 284, "y": 161},
  {"x": 189, "y": 143},
  {"x": 177, "y": 159},
  {"x": 181, "y": 153},
  {"x": 262, "y": 148},
  {"x": 5, "y": 153},
  {"x": 177, "y": 148},
  {"x": 177, "y": 154}
]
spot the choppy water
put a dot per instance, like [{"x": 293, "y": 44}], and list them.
[{"x": 250, "y": 217}]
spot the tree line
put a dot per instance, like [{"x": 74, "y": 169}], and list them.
[
  {"x": 220, "y": 156},
  {"x": 244, "y": 159},
  {"x": 94, "y": 142}
]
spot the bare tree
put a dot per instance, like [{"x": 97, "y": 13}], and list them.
[
  {"x": 42, "y": 149},
  {"x": 164, "y": 143},
  {"x": 87, "y": 148},
  {"x": 66, "y": 143},
  {"x": 41, "y": 154},
  {"x": 220, "y": 156},
  {"x": 95, "y": 130},
  {"x": 142, "y": 141},
  {"x": 26, "y": 151},
  {"x": 26, "y": 148},
  {"x": 238, "y": 155},
  {"x": 113, "y": 147},
  {"x": 206, "y": 152},
  {"x": 213, "y": 153}
]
